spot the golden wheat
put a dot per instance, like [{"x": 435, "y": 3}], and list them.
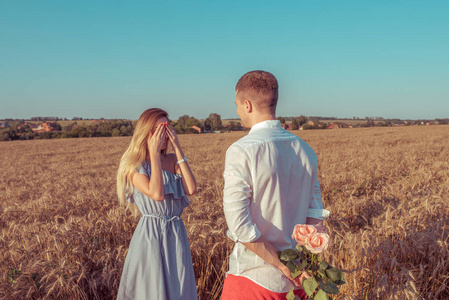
[{"x": 64, "y": 236}]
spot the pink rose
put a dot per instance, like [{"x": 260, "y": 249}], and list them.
[
  {"x": 317, "y": 243},
  {"x": 301, "y": 232}
]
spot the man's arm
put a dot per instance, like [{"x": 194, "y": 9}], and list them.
[
  {"x": 237, "y": 195},
  {"x": 316, "y": 213}
]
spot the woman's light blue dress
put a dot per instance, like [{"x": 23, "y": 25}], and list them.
[{"x": 159, "y": 264}]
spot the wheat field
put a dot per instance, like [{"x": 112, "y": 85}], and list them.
[{"x": 64, "y": 235}]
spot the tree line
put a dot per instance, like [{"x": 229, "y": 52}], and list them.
[
  {"x": 22, "y": 130},
  {"x": 18, "y": 129}
]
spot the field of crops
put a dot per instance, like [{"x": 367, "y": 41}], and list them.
[{"x": 63, "y": 234}]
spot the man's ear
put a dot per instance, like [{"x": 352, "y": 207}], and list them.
[{"x": 248, "y": 106}]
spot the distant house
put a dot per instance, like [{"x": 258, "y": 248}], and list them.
[
  {"x": 332, "y": 126},
  {"x": 45, "y": 127},
  {"x": 196, "y": 128}
]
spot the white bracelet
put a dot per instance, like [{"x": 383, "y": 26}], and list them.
[{"x": 182, "y": 160}]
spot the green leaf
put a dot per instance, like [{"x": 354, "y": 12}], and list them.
[
  {"x": 321, "y": 295},
  {"x": 299, "y": 248},
  {"x": 323, "y": 266},
  {"x": 291, "y": 295},
  {"x": 329, "y": 287},
  {"x": 291, "y": 266},
  {"x": 336, "y": 276},
  {"x": 296, "y": 269},
  {"x": 288, "y": 255},
  {"x": 297, "y": 272},
  {"x": 303, "y": 264},
  {"x": 309, "y": 285}
]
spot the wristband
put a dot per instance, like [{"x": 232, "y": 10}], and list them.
[{"x": 182, "y": 160}]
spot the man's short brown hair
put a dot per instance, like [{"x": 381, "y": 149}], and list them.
[{"x": 261, "y": 88}]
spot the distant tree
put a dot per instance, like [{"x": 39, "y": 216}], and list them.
[
  {"x": 123, "y": 130},
  {"x": 116, "y": 132},
  {"x": 178, "y": 128},
  {"x": 24, "y": 128},
  {"x": 213, "y": 122},
  {"x": 5, "y": 134},
  {"x": 302, "y": 120},
  {"x": 182, "y": 120},
  {"x": 234, "y": 126},
  {"x": 282, "y": 119},
  {"x": 295, "y": 124},
  {"x": 298, "y": 122},
  {"x": 207, "y": 124},
  {"x": 192, "y": 121}
]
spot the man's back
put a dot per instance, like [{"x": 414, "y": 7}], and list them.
[{"x": 270, "y": 186}]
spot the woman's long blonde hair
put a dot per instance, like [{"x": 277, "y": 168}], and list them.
[{"x": 137, "y": 152}]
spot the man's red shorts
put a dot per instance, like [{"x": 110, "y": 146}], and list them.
[{"x": 238, "y": 287}]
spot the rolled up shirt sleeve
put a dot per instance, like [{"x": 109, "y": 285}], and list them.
[
  {"x": 237, "y": 196},
  {"x": 316, "y": 209}
]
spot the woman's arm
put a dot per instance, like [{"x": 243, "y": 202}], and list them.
[
  {"x": 153, "y": 187},
  {"x": 183, "y": 168}
]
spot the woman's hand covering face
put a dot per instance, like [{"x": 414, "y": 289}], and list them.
[{"x": 157, "y": 140}]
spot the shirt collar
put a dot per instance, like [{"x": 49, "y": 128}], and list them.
[{"x": 266, "y": 124}]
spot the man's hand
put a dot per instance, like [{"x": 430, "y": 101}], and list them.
[
  {"x": 296, "y": 281},
  {"x": 318, "y": 224}
]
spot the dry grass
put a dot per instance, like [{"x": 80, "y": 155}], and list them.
[{"x": 64, "y": 236}]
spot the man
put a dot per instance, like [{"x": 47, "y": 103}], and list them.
[{"x": 271, "y": 185}]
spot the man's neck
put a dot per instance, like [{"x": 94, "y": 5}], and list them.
[{"x": 260, "y": 118}]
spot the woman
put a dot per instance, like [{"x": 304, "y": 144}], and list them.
[{"x": 158, "y": 264}]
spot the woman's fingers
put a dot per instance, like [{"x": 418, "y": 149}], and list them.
[
  {"x": 159, "y": 133},
  {"x": 170, "y": 130},
  {"x": 157, "y": 138},
  {"x": 159, "y": 130}
]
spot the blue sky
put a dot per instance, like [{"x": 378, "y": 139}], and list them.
[{"x": 114, "y": 59}]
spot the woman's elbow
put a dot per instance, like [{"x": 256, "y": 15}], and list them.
[
  {"x": 156, "y": 197},
  {"x": 191, "y": 191}
]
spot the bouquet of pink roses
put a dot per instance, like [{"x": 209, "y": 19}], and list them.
[{"x": 323, "y": 277}]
